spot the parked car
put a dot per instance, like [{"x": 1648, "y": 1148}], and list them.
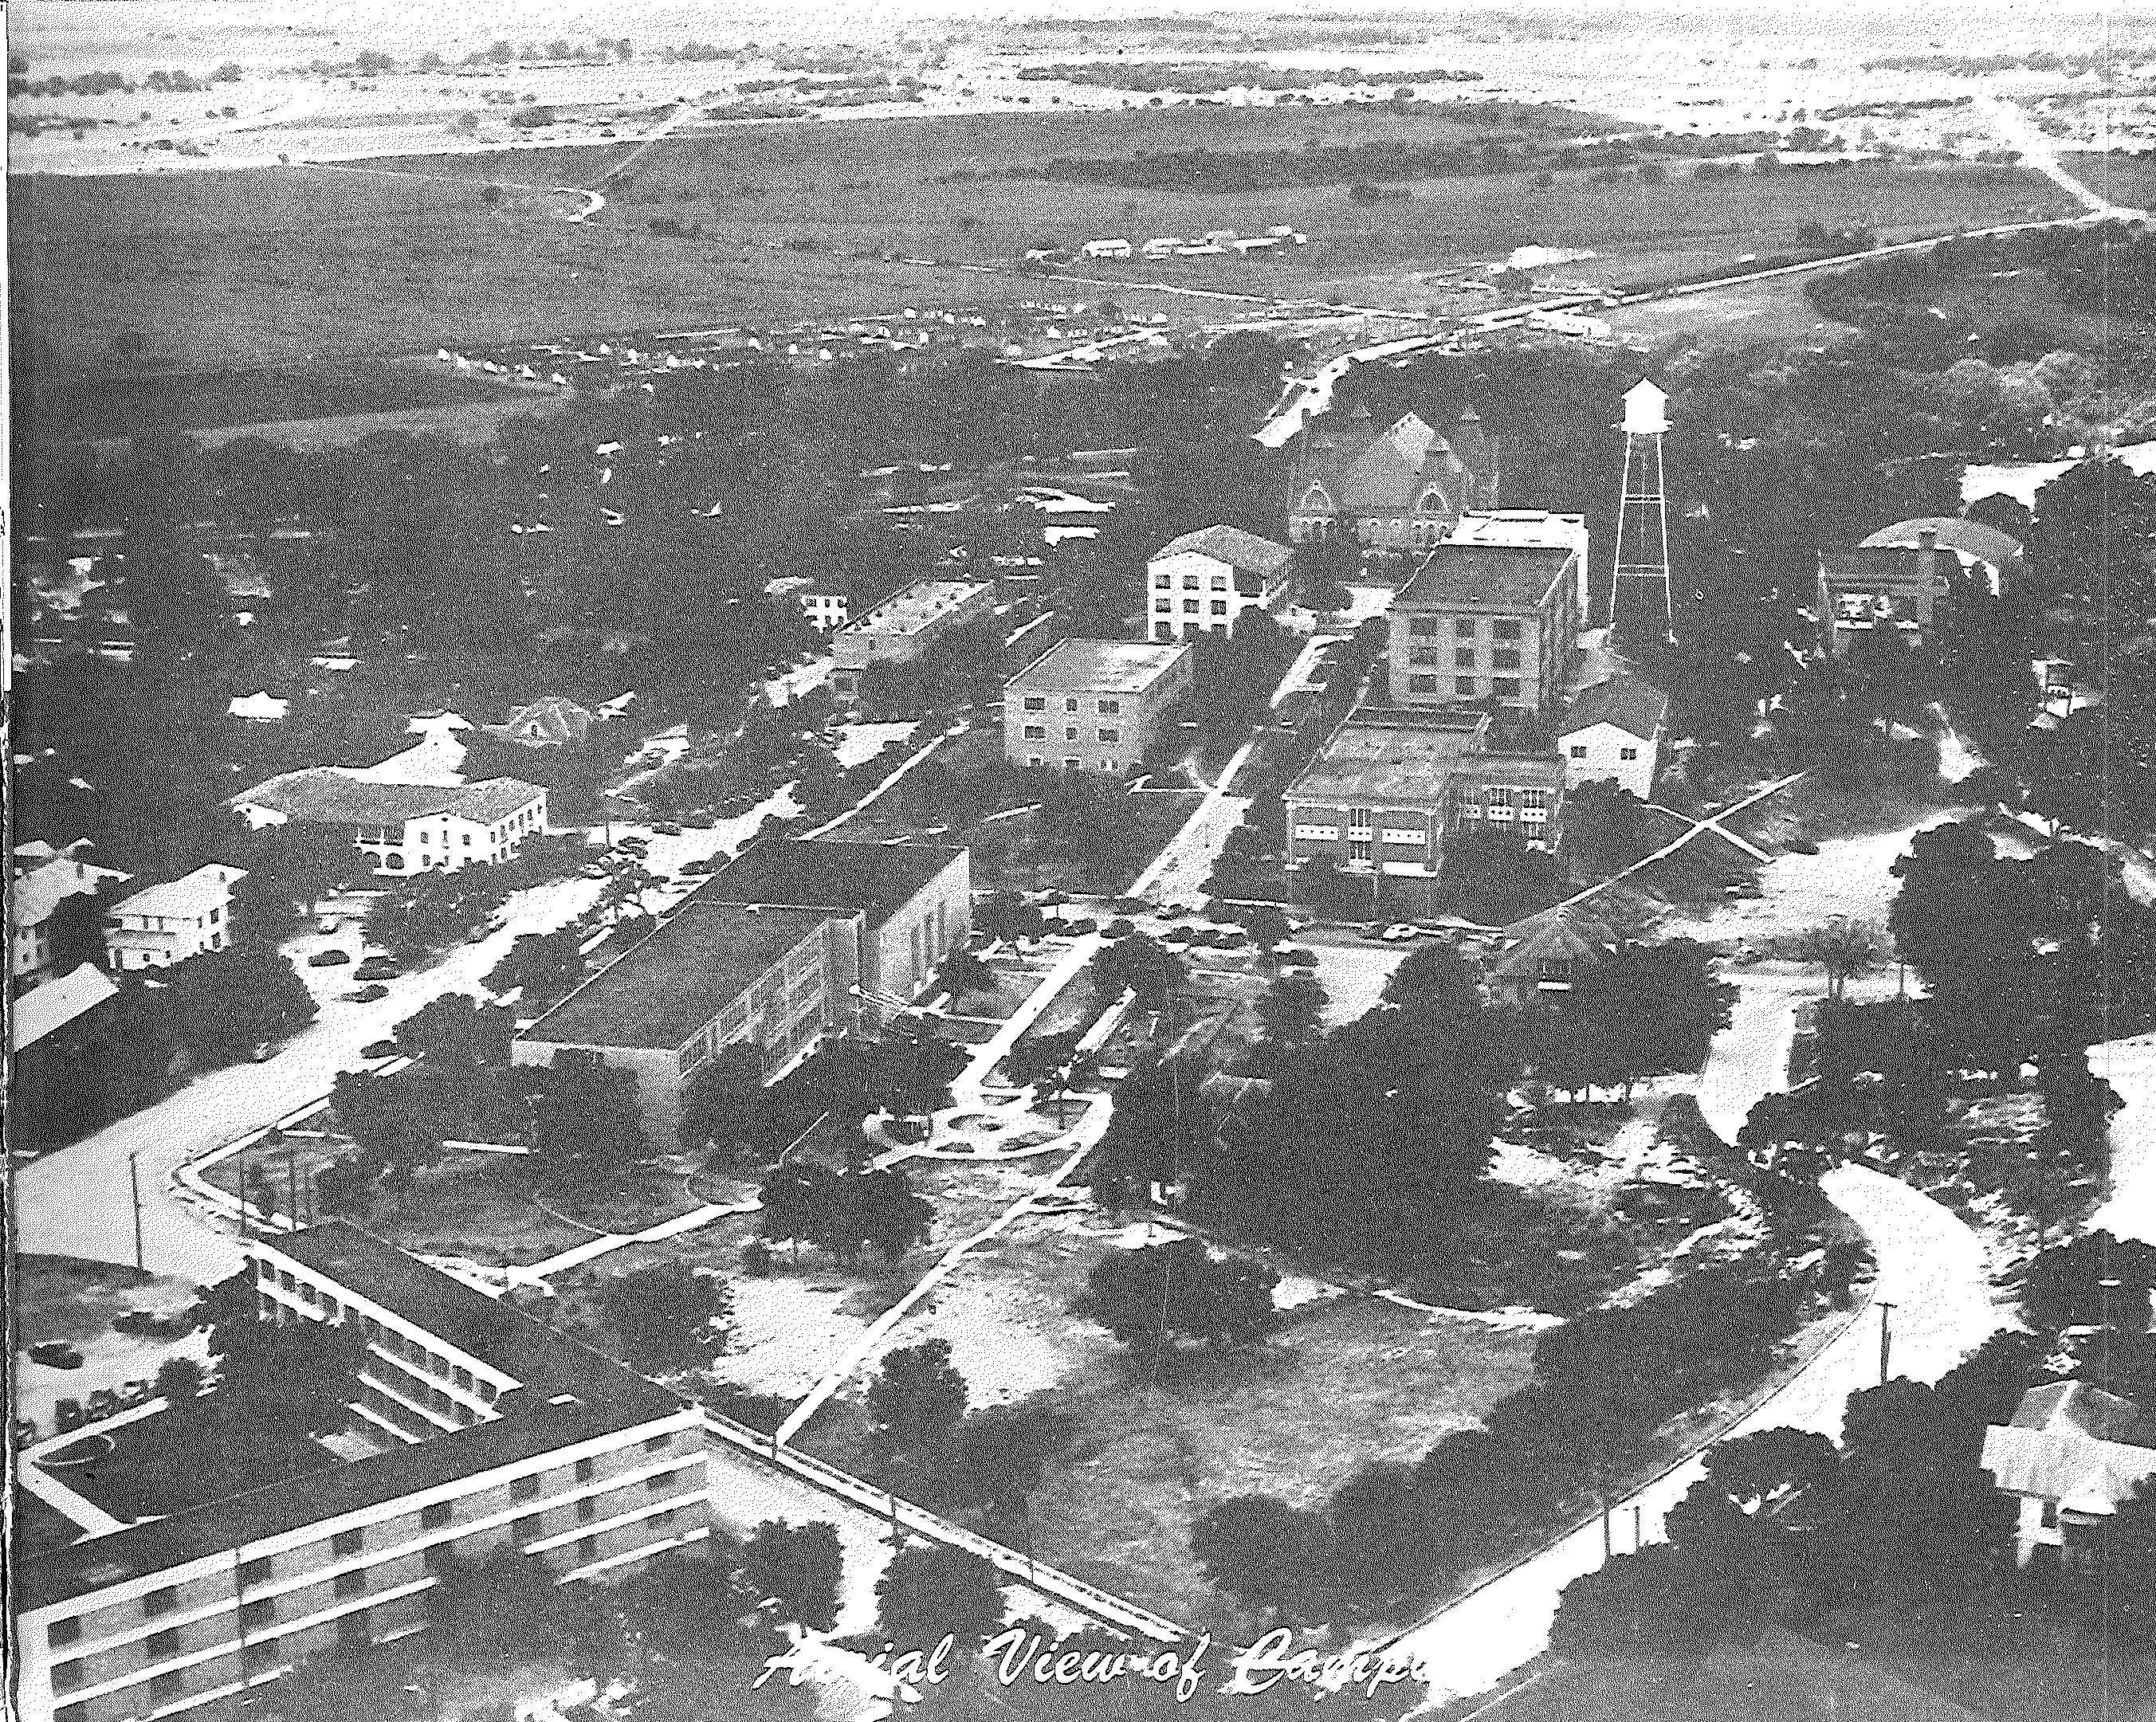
[
  {"x": 328, "y": 958},
  {"x": 260, "y": 1051},
  {"x": 1801, "y": 846},
  {"x": 701, "y": 865},
  {"x": 56, "y": 1353},
  {"x": 1400, "y": 933},
  {"x": 135, "y": 1392},
  {"x": 327, "y": 923},
  {"x": 1296, "y": 957},
  {"x": 668, "y": 827},
  {"x": 1085, "y": 923},
  {"x": 104, "y": 1402},
  {"x": 591, "y": 870},
  {"x": 1742, "y": 887},
  {"x": 379, "y": 1049},
  {"x": 376, "y": 968},
  {"x": 69, "y": 1414},
  {"x": 367, "y": 994}
]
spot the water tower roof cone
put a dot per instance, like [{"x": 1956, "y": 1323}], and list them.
[{"x": 1645, "y": 413}]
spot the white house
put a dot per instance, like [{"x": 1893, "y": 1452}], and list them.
[
  {"x": 2072, "y": 1455},
  {"x": 1106, "y": 248},
  {"x": 1200, "y": 582},
  {"x": 404, "y": 827},
  {"x": 31, "y": 901},
  {"x": 170, "y": 922},
  {"x": 1614, "y": 730}
]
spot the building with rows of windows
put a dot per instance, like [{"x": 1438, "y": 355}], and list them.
[
  {"x": 1392, "y": 787},
  {"x": 478, "y": 1427},
  {"x": 1492, "y": 614},
  {"x": 1092, "y": 706},
  {"x": 1200, "y": 582}
]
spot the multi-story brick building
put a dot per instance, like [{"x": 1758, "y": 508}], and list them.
[
  {"x": 1390, "y": 790},
  {"x": 1200, "y": 582},
  {"x": 1492, "y": 614},
  {"x": 1092, "y": 706},
  {"x": 902, "y": 627},
  {"x": 492, "y": 1430},
  {"x": 1398, "y": 489}
]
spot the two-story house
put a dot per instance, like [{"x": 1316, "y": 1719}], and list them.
[
  {"x": 404, "y": 827},
  {"x": 34, "y": 898},
  {"x": 1612, "y": 731},
  {"x": 169, "y": 923}
]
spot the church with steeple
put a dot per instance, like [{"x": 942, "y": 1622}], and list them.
[{"x": 1398, "y": 489}]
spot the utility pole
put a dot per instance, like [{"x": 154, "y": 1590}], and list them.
[
  {"x": 135, "y": 1194},
  {"x": 1635, "y": 1527},
  {"x": 1886, "y": 1338},
  {"x": 292, "y": 1183}
]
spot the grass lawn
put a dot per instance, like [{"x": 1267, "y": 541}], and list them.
[
  {"x": 475, "y": 1206},
  {"x": 1344, "y": 1382}
]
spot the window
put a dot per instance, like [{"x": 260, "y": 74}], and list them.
[
  {"x": 1463, "y": 657},
  {"x": 1034, "y": 702},
  {"x": 66, "y": 1632},
  {"x": 526, "y": 1529},
  {"x": 1425, "y": 625},
  {"x": 1505, "y": 630},
  {"x": 1071, "y": 764},
  {"x": 75, "y": 1713},
  {"x": 1033, "y": 759},
  {"x": 1463, "y": 685},
  {"x": 67, "y": 1676},
  {"x": 587, "y": 1548},
  {"x": 1219, "y": 607},
  {"x": 1534, "y": 800},
  {"x": 1190, "y": 607},
  {"x": 347, "y": 1542},
  {"x": 1071, "y": 732},
  {"x": 256, "y": 1655},
  {"x": 1578, "y": 749},
  {"x": 656, "y": 1485},
  {"x": 1422, "y": 684},
  {"x": 585, "y": 1467},
  {"x": 587, "y": 1510},
  {"x": 160, "y": 1601},
  {"x": 1220, "y": 582},
  {"x": 350, "y": 1584},
  {"x": 1423, "y": 655},
  {"x": 1070, "y": 705},
  {"x": 1111, "y": 735},
  {"x": 164, "y": 1643},
  {"x": 166, "y": 1687},
  {"x": 1627, "y": 753},
  {"x": 260, "y": 1612},
  {"x": 1505, "y": 658},
  {"x": 657, "y": 1443},
  {"x": 1036, "y": 732},
  {"x": 1464, "y": 628},
  {"x": 440, "y": 1557},
  {"x": 1111, "y": 708},
  {"x": 1359, "y": 822},
  {"x": 1505, "y": 687},
  {"x": 434, "y": 1516},
  {"x": 2049, "y": 1518},
  {"x": 523, "y": 1488}
]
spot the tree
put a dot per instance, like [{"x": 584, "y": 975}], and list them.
[
  {"x": 499, "y": 1611},
  {"x": 1278, "y": 1560},
  {"x": 962, "y": 972},
  {"x": 1008, "y": 916},
  {"x": 667, "y": 1316},
  {"x": 1657, "y": 1603},
  {"x": 1292, "y": 1010},
  {"x": 586, "y": 1132},
  {"x": 721, "y": 1102},
  {"x": 797, "y": 1202},
  {"x": 1924, "y": 1516},
  {"x": 545, "y": 965},
  {"x": 800, "y": 1567},
  {"x": 926, "y": 1593},
  {"x": 1149, "y": 1297},
  {"x": 2129, "y": 1554},
  {"x": 1438, "y": 979},
  {"x": 1844, "y": 948},
  {"x": 227, "y": 1001},
  {"x": 1267, "y": 924},
  {"x": 1379, "y": 1524},
  {"x": 179, "y": 1379},
  {"x": 1146, "y": 968},
  {"x": 354, "y": 1684},
  {"x": 916, "y": 1402},
  {"x": 1002, "y": 1453},
  {"x": 395, "y": 1119},
  {"x": 277, "y": 1382},
  {"x": 1154, "y": 1124},
  {"x": 877, "y": 1209},
  {"x": 1048, "y": 1061}
]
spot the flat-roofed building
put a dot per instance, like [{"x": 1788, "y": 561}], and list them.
[
  {"x": 1491, "y": 613},
  {"x": 169, "y": 923},
  {"x": 491, "y": 1430},
  {"x": 403, "y": 827},
  {"x": 1092, "y": 706},
  {"x": 1391, "y": 788},
  {"x": 1200, "y": 582},
  {"x": 712, "y": 975},
  {"x": 902, "y": 627},
  {"x": 915, "y": 901}
]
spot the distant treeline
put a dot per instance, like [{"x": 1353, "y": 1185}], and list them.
[
  {"x": 2099, "y": 268},
  {"x": 103, "y": 83},
  {"x": 1210, "y": 77},
  {"x": 1978, "y": 65}
]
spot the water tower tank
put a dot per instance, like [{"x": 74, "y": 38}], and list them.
[{"x": 1643, "y": 410}]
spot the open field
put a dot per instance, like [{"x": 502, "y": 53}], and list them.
[{"x": 806, "y": 221}]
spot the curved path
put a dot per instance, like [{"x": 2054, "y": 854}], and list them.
[{"x": 1931, "y": 1269}]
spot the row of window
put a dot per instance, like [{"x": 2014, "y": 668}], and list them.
[
  {"x": 1465, "y": 656},
  {"x": 1107, "y": 708},
  {"x": 1466, "y": 687},
  {"x": 1036, "y": 732},
  {"x": 1191, "y": 607},
  {"x": 1464, "y": 627},
  {"x": 1578, "y": 751},
  {"x": 1072, "y": 762},
  {"x": 1193, "y": 582}
]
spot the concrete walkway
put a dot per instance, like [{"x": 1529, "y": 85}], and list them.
[{"x": 1711, "y": 822}]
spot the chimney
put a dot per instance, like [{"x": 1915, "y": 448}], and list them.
[{"x": 1927, "y": 556}]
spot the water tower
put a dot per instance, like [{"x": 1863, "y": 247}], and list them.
[{"x": 1639, "y": 577}]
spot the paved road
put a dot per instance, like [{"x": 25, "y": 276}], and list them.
[
  {"x": 2130, "y": 1067},
  {"x": 1931, "y": 1267}
]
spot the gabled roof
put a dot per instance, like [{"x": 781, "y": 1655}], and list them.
[
  {"x": 1565, "y": 933},
  {"x": 2076, "y": 1405},
  {"x": 1233, "y": 545},
  {"x": 190, "y": 897},
  {"x": 1637, "y": 708},
  {"x": 2074, "y": 1444},
  {"x": 44, "y": 1009},
  {"x": 549, "y": 722},
  {"x": 1968, "y": 538},
  {"x": 36, "y": 893}
]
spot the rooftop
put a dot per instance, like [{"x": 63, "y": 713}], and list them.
[
  {"x": 569, "y": 1393},
  {"x": 1519, "y": 529},
  {"x": 1966, "y": 538},
  {"x": 36, "y": 893},
  {"x": 914, "y": 607},
  {"x": 1233, "y": 545},
  {"x": 1101, "y": 666},
  {"x": 1467, "y": 575},
  {"x": 657, "y": 993},
  {"x": 873, "y": 880},
  {"x": 1636, "y": 707},
  {"x": 189, "y": 897},
  {"x": 1372, "y": 759},
  {"x": 330, "y": 794},
  {"x": 42, "y": 1010}
]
